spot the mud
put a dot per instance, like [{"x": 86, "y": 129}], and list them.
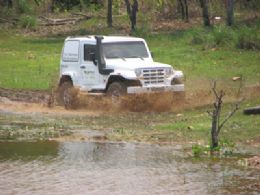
[
  {"x": 29, "y": 96},
  {"x": 254, "y": 162},
  {"x": 43, "y": 101}
]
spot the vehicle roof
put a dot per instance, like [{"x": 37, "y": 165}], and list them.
[{"x": 106, "y": 39}]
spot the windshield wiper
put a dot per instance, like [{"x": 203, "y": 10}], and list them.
[
  {"x": 137, "y": 57},
  {"x": 113, "y": 57}
]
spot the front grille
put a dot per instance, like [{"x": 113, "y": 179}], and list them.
[{"x": 153, "y": 76}]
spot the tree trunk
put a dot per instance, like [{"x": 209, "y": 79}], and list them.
[
  {"x": 205, "y": 13},
  {"x": 128, "y": 7},
  {"x": 8, "y": 3},
  {"x": 186, "y": 11},
  {"x": 182, "y": 9},
  {"x": 109, "y": 13},
  {"x": 230, "y": 12},
  {"x": 214, "y": 129},
  {"x": 132, "y": 11}
]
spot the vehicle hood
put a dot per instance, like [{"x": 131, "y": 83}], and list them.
[{"x": 133, "y": 63}]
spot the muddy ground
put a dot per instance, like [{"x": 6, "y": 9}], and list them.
[
  {"x": 21, "y": 99},
  {"x": 18, "y": 108}
]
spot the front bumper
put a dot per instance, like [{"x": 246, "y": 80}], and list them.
[{"x": 151, "y": 89}]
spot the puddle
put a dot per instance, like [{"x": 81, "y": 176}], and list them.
[{"x": 117, "y": 168}]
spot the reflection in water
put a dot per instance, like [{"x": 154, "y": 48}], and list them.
[
  {"x": 23, "y": 150},
  {"x": 115, "y": 168}
]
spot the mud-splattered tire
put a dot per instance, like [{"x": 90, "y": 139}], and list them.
[
  {"x": 116, "y": 91},
  {"x": 68, "y": 95}
]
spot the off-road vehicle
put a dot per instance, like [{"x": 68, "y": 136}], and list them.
[{"x": 115, "y": 66}]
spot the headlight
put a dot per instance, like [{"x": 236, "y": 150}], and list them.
[
  {"x": 168, "y": 72},
  {"x": 138, "y": 72}
]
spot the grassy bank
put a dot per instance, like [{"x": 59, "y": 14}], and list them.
[
  {"x": 203, "y": 54},
  {"x": 191, "y": 126}
]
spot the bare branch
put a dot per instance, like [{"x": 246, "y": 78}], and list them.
[
  {"x": 229, "y": 116},
  {"x": 214, "y": 89},
  {"x": 210, "y": 113}
]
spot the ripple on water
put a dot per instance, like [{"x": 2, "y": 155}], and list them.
[{"x": 115, "y": 168}]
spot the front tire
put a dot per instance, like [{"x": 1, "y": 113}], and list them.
[{"x": 116, "y": 90}]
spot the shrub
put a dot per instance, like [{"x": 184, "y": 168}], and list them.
[
  {"x": 24, "y": 7},
  {"x": 248, "y": 39},
  {"x": 27, "y": 21},
  {"x": 202, "y": 36},
  {"x": 223, "y": 35}
]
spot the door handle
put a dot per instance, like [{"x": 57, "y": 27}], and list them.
[{"x": 83, "y": 67}]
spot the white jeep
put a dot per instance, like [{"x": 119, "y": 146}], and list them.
[{"x": 113, "y": 65}]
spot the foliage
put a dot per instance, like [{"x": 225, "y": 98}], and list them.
[
  {"x": 28, "y": 21},
  {"x": 248, "y": 39},
  {"x": 226, "y": 147},
  {"x": 199, "y": 150},
  {"x": 24, "y": 7},
  {"x": 242, "y": 37}
]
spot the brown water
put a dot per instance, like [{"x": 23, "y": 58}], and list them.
[{"x": 117, "y": 168}]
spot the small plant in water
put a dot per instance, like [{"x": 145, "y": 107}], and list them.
[
  {"x": 225, "y": 147},
  {"x": 199, "y": 150}
]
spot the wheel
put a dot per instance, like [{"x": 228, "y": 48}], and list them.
[
  {"x": 116, "y": 90},
  {"x": 68, "y": 95}
]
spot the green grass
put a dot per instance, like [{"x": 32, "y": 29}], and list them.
[
  {"x": 28, "y": 63},
  {"x": 192, "y": 126},
  {"x": 33, "y": 63},
  {"x": 198, "y": 62}
]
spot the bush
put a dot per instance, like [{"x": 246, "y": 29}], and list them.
[
  {"x": 223, "y": 35},
  {"x": 27, "y": 21},
  {"x": 203, "y": 36},
  {"x": 241, "y": 37},
  {"x": 24, "y": 7},
  {"x": 248, "y": 39}
]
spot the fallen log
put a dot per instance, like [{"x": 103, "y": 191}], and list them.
[
  {"x": 83, "y": 15},
  {"x": 252, "y": 110},
  {"x": 59, "y": 20},
  {"x": 56, "y": 22}
]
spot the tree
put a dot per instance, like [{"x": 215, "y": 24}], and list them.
[
  {"x": 109, "y": 13},
  {"x": 216, "y": 124},
  {"x": 205, "y": 12},
  {"x": 132, "y": 10},
  {"x": 8, "y": 3},
  {"x": 184, "y": 9},
  {"x": 230, "y": 12}
]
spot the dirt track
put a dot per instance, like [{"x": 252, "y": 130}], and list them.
[{"x": 38, "y": 101}]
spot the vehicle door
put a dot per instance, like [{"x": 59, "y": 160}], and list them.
[{"x": 89, "y": 70}]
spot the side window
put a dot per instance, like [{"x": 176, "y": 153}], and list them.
[
  {"x": 71, "y": 51},
  {"x": 88, "y": 49}
]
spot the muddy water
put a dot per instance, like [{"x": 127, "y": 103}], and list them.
[{"x": 117, "y": 168}]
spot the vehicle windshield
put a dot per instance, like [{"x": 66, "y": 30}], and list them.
[{"x": 133, "y": 49}]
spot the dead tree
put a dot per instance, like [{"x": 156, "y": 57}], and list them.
[
  {"x": 216, "y": 124},
  {"x": 132, "y": 10}
]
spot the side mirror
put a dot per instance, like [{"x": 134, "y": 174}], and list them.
[{"x": 92, "y": 57}]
